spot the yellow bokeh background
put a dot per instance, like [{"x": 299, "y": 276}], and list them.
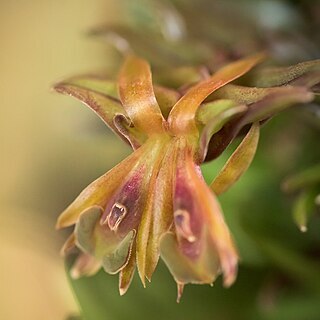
[{"x": 45, "y": 143}]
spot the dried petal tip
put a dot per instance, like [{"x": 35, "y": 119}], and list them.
[
  {"x": 122, "y": 291},
  {"x": 182, "y": 223},
  {"x": 180, "y": 287},
  {"x": 229, "y": 268},
  {"x": 116, "y": 215}
]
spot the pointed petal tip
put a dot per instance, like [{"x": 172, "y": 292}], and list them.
[
  {"x": 230, "y": 273},
  {"x": 142, "y": 276},
  {"x": 59, "y": 88},
  {"x": 60, "y": 224},
  {"x": 180, "y": 287},
  {"x": 63, "y": 221},
  {"x": 229, "y": 280},
  {"x": 122, "y": 291}
]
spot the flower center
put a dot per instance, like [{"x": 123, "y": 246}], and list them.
[
  {"x": 116, "y": 215},
  {"x": 182, "y": 223}
]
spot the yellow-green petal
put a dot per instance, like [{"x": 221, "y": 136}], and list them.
[
  {"x": 238, "y": 162},
  {"x": 182, "y": 116},
  {"x": 137, "y": 95}
]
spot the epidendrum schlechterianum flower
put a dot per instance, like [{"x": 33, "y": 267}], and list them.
[{"x": 155, "y": 203}]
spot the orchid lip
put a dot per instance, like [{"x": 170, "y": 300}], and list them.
[
  {"x": 116, "y": 215},
  {"x": 182, "y": 224}
]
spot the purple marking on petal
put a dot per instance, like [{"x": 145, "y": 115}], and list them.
[
  {"x": 116, "y": 215},
  {"x": 122, "y": 210},
  {"x": 192, "y": 226},
  {"x": 182, "y": 223},
  {"x": 185, "y": 200}
]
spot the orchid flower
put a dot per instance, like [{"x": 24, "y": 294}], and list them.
[{"x": 155, "y": 203}]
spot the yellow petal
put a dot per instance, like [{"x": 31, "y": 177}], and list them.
[
  {"x": 201, "y": 246},
  {"x": 126, "y": 274},
  {"x": 137, "y": 96},
  {"x": 238, "y": 162},
  {"x": 182, "y": 115},
  {"x": 162, "y": 209},
  {"x": 104, "y": 106},
  {"x": 146, "y": 224},
  {"x": 217, "y": 227},
  {"x": 99, "y": 191}
]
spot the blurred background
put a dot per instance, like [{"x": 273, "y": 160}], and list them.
[{"x": 52, "y": 147}]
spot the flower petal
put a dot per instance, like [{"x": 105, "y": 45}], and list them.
[
  {"x": 85, "y": 265},
  {"x": 109, "y": 247},
  {"x": 202, "y": 270},
  {"x": 117, "y": 259},
  {"x": 278, "y": 99},
  {"x": 137, "y": 95},
  {"x": 161, "y": 210},
  {"x": 93, "y": 83},
  {"x": 166, "y": 99},
  {"x": 104, "y": 106},
  {"x": 99, "y": 191},
  {"x": 238, "y": 162},
  {"x": 85, "y": 227},
  {"x": 126, "y": 274},
  {"x": 126, "y": 128},
  {"x": 202, "y": 243},
  {"x": 146, "y": 223},
  {"x": 215, "y": 123},
  {"x": 182, "y": 115}
]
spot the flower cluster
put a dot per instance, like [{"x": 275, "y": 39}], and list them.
[{"x": 155, "y": 203}]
